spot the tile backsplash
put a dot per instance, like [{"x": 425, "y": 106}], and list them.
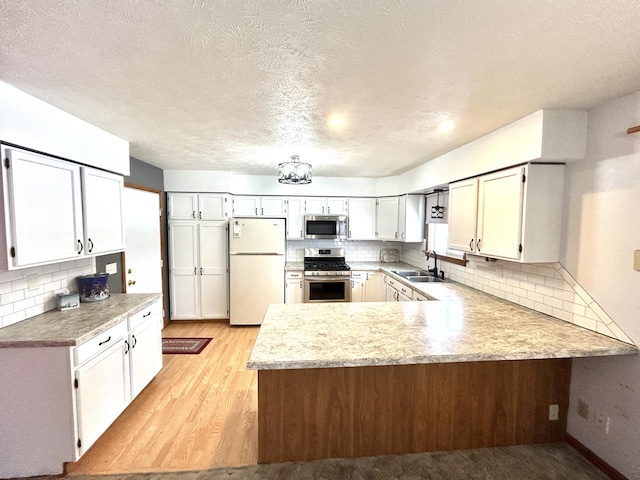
[
  {"x": 31, "y": 291},
  {"x": 360, "y": 251},
  {"x": 545, "y": 287}
]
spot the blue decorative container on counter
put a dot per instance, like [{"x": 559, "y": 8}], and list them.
[{"x": 94, "y": 287}]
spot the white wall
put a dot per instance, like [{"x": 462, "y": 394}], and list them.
[
  {"x": 31, "y": 123},
  {"x": 601, "y": 232}
]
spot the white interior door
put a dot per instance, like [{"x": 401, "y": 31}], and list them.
[{"x": 143, "y": 255}]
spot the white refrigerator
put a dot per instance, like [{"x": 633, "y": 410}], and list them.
[{"x": 256, "y": 267}]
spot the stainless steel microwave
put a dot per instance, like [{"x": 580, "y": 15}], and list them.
[{"x": 326, "y": 227}]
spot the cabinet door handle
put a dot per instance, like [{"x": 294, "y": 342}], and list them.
[
  {"x": 105, "y": 341},
  {"x": 90, "y": 245},
  {"x": 349, "y": 233},
  {"x": 200, "y": 215},
  {"x": 146, "y": 314},
  {"x": 256, "y": 211},
  {"x": 135, "y": 341},
  {"x": 396, "y": 235},
  {"x": 195, "y": 271},
  {"x": 126, "y": 347},
  {"x": 80, "y": 247},
  {"x": 262, "y": 211},
  {"x": 200, "y": 270},
  {"x": 471, "y": 245},
  {"x": 402, "y": 236},
  {"x": 478, "y": 244},
  {"x": 193, "y": 214},
  {"x": 353, "y": 285}
]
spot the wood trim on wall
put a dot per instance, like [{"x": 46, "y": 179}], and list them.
[{"x": 603, "y": 466}]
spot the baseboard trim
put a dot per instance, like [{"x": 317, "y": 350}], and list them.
[{"x": 603, "y": 466}]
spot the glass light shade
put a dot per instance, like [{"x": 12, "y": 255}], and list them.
[{"x": 294, "y": 172}]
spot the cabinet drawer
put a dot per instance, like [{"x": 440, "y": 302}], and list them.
[
  {"x": 101, "y": 342},
  {"x": 295, "y": 274},
  {"x": 405, "y": 290},
  {"x": 144, "y": 314}
]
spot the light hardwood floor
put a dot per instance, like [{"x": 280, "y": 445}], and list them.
[{"x": 199, "y": 412}]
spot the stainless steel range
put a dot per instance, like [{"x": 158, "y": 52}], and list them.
[{"x": 327, "y": 278}]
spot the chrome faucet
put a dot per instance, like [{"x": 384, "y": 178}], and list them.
[{"x": 434, "y": 270}]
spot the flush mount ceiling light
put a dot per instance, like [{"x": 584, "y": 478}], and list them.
[{"x": 294, "y": 172}]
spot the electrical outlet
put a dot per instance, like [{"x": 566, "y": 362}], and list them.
[
  {"x": 554, "y": 411},
  {"x": 32, "y": 282},
  {"x": 636, "y": 260},
  {"x": 111, "y": 268},
  {"x": 583, "y": 409},
  {"x": 602, "y": 422}
]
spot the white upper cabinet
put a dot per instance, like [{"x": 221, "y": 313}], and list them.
[
  {"x": 514, "y": 214},
  {"x": 463, "y": 211},
  {"x": 325, "y": 206},
  {"x": 42, "y": 210},
  {"x": 411, "y": 218},
  {"x": 252, "y": 206},
  {"x": 273, "y": 206},
  {"x": 387, "y": 218},
  {"x": 197, "y": 206},
  {"x": 295, "y": 218},
  {"x": 102, "y": 201},
  {"x": 362, "y": 219}
]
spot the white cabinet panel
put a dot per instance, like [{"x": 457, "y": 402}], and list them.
[
  {"x": 244, "y": 206},
  {"x": 375, "y": 291},
  {"x": 197, "y": 206},
  {"x": 387, "y": 218},
  {"x": 42, "y": 210},
  {"x": 500, "y": 198},
  {"x": 212, "y": 206},
  {"x": 337, "y": 206},
  {"x": 145, "y": 353},
  {"x": 295, "y": 218},
  {"x": 294, "y": 287},
  {"x": 102, "y": 392},
  {"x": 315, "y": 206},
  {"x": 513, "y": 214},
  {"x": 182, "y": 206},
  {"x": 362, "y": 218},
  {"x": 198, "y": 276},
  {"x": 273, "y": 206},
  {"x": 463, "y": 207},
  {"x": 411, "y": 218},
  {"x": 102, "y": 202}
]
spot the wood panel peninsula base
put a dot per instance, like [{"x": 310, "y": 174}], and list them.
[
  {"x": 361, "y": 379},
  {"x": 308, "y": 414}
]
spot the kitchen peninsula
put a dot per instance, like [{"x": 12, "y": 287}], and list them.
[{"x": 360, "y": 379}]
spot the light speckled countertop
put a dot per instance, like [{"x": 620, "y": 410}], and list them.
[
  {"x": 74, "y": 327},
  {"x": 463, "y": 325}
]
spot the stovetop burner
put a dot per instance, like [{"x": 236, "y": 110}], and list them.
[{"x": 325, "y": 262}]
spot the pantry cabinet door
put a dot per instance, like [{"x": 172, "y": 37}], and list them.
[
  {"x": 103, "y": 221},
  {"x": 500, "y": 198},
  {"x": 213, "y": 270},
  {"x": 183, "y": 275},
  {"x": 42, "y": 209}
]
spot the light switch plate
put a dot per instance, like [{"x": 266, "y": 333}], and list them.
[
  {"x": 111, "y": 268},
  {"x": 636, "y": 260}
]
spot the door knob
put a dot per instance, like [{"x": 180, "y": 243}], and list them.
[
  {"x": 131, "y": 282},
  {"x": 129, "y": 271}
]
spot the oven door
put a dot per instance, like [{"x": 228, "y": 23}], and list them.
[{"x": 327, "y": 289}]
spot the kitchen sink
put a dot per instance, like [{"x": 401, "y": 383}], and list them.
[
  {"x": 411, "y": 273},
  {"x": 424, "y": 279}
]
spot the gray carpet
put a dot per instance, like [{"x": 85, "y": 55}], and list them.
[{"x": 552, "y": 461}]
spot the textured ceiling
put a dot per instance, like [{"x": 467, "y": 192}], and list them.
[{"x": 242, "y": 85}]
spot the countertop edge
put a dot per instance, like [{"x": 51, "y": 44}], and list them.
[
  {"x": 427, "y": 359},
  {"x": 75, "y": 340}
]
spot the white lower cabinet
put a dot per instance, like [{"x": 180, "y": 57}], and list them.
[
  {"x": 367, "y": 287},
  {"x": 102, "y": 392},
  {"x": 59, "y": 400},
  {"x": 294, "y": 287},
  {"x": 396, "y": 291},
  {"x": 145, "y": 347}
]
